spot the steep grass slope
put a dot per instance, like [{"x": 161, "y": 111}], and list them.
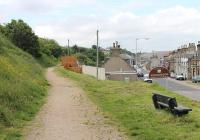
[{"x": 22, "y": 89}]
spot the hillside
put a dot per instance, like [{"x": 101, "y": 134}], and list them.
[{"x": 22, "y": 89}]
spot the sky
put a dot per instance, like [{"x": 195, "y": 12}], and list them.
[{"x": 168, "y": 23}]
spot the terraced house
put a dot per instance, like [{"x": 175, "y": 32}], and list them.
[
  {"x": 194, "y": 63},
  {"x": 185, "y": 61}
]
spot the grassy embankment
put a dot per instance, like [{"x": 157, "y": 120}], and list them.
[
  {"x": 47, "y": 61},
  {"x": 129, "y": 105},
  {"x": 22, "y": 89}
]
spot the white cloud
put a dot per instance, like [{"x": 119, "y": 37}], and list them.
[
  {"x": 170, "y": 26},
  {"x": 175, "y": 25},
  {"x": 40, "y": 6}
]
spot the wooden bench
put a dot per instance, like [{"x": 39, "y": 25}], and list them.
[{"x": 165, "y": 102}]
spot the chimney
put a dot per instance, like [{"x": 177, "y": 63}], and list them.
[
  {"x": 192, "y": 47},
  {"x": 198, "y": 48},
  {"x": 115, "y": 51},
  {"x": 116, "y": 43},
  {"x": 113, "y": 45}
]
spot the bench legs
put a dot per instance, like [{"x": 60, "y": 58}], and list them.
[{"x": 155, "y": 102}]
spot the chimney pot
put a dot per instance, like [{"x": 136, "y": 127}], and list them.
[{"x": 113, "y": 45}]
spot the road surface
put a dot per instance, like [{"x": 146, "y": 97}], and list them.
[
  {"x": 180, "y": 88},
  {"x": 69, "y": 115}
]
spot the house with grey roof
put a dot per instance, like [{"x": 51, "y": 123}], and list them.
[{"x": 117, "y": 68}]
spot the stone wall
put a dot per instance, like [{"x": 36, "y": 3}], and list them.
[{"x": 89, "y": 70}]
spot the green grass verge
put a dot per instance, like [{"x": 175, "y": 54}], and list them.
[
  {"x": 130, "y": 106},
  {"x": 22, "y": 89}
]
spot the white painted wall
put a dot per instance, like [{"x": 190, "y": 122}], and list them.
[{"x": 93, "y": 71}]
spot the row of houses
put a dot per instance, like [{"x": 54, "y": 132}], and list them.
[{"x": 184, "y": 61}]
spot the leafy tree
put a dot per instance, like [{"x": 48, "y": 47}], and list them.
[
  {"x": 66, "y": 50},
  {"x": 50, "y": 47},
  {"x": 94, "y": 46},
  {"x": 22, "y": 36},
  {"x": 82, "y": 49},
  {"x": 57, "y": 52},
  {"x": 83, "y": 59},
  {"x": 75, "y": 49},
  {"x": 88, "y": 56},
  {"x": 1, "y": 29}
]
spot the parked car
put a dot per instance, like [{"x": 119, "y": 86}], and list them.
[
  {"x": 196, "y": 79},
  {"x": 180, "y": 77},
  {"x": 148, "y": 80},
  {"x": 140, "y": 74}
]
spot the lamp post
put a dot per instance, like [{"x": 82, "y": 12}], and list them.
[{"x": 136, "y": 63}]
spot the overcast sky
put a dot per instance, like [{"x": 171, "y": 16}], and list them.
[{"x": 169, "y": 23}]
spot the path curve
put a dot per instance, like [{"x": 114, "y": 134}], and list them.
[{"x": 69, "y": 115}]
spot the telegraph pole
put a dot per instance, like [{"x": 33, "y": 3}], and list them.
[
  {"x": 68, "y": 47},
  {"x": 97, "y": 63}
]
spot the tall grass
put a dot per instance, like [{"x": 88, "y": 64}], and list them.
[
  {"x": 47, "y": 61},
  {"x": 22, "y": 89},
  {"x": 129, "y": 106}
]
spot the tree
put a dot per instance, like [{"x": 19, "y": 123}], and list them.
[
  {"x": 22, "y": 36},
  {"x": 75, "y": 48},
  {"x": 50, "y": 47},
  {"x": 1, "y": 29},
  {"x": 83, "y": 59},
  {"x": 94, "y": 46}
]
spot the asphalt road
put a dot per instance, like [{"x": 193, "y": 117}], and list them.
[{"x": 184, "y": 90}]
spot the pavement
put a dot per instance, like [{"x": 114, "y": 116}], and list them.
[{"x": 185, "y": 88}]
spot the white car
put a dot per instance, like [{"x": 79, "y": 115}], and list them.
[
  {"x": 148, "y": 80},
  {"x": 180, "y": 77}
]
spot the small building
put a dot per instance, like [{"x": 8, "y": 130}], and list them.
[
  {"x": 118, "y": 69},
  {"x": 71, "y": 63}
]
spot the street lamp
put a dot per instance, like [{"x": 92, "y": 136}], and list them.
[{"x": 136, "y": 47}]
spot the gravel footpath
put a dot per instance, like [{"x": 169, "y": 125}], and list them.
[{"x": 69, "y": 115}]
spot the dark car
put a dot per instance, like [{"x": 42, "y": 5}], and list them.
[
  {"x": 140, "y": 74},
  {"x": 196, "y": 79}
]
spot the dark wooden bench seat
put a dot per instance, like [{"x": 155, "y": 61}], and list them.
[{"x": 162, "y": 101}]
